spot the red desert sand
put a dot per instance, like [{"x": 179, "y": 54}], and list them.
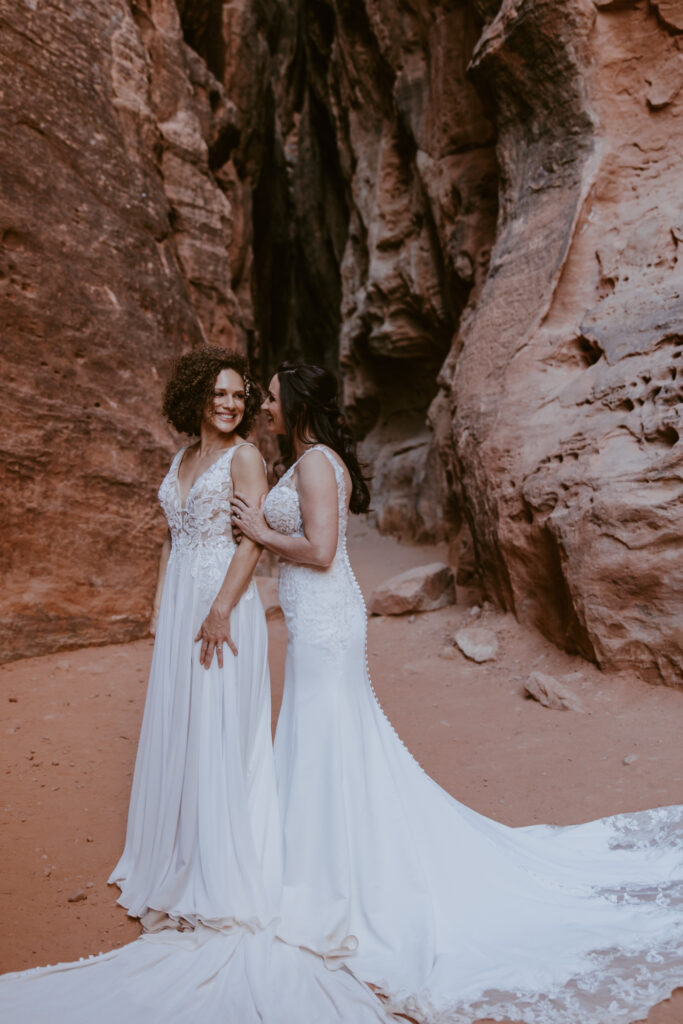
[{"x": 71, "y": 721}]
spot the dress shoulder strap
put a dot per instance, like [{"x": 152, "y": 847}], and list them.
[
  {"x": 335, "y": 462},
  {"x": 331, "y": 456},
  {"x": 249, "y": 444},
  {"x": 177, "y": 458}
]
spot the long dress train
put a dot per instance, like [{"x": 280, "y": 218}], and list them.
[
  {"x": 453, "y": 916},
  {"x": 203, "y": 844}
]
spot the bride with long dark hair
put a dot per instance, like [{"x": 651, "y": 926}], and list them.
[{"x": 451, "y": 916}]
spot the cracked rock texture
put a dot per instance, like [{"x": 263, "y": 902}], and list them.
[
  {"x": 113, "y": 258},
  {"x": 564, "y": 385},
  {"x": 498, "y": 185},
  {"x": 470, "y": 207}
]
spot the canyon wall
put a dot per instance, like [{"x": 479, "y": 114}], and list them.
[
  {"x": 468, "y": 207},
  {"x": 114, "y": 257},
  {"x": 566, "y": 391},
  {"x": 510, "y": 290}
]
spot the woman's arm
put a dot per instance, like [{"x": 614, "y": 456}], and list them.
[
  {"x": 317, "y": 489},
  {"x": 249, "y": 475},
  {"x": 163, "y": 562}
]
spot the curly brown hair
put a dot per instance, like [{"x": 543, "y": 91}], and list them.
[{"x": 190, "y": 388}]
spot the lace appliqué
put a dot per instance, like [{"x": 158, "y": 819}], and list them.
[
  {"x": 201, "y": 533},
  {"x": 624, "y": 984},
  {"x": 626, "y": 979},
  {"x": 320, "y": 605}
]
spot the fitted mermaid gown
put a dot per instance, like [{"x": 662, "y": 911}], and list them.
[
  {"x": 203, "y": 843},
  {"x": 453, "y": 916}
]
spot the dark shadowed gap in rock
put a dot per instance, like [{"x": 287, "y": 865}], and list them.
[
  {"x": 271, "y": 276},
  {"x": 556, "y": 616},
  {"x": 589, "y": 350},
  {"x": 224, "y": 144},
  {"x": 356, "y": 26},
  {"x": 202, "y": 22},
  {"x": 300, "y": 218},
  {"x": 321, "y": 229}
]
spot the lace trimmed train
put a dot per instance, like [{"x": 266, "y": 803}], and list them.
[{"x": 454, "y": 917}]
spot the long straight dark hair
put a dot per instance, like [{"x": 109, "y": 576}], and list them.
[{"x": 310, "y": 409}]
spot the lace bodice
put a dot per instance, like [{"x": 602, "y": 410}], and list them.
[
  {"x": 318, "y": 603},
  {"x": 201, "y": 532}
]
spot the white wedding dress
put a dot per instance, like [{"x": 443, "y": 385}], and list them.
[
  {"x": 203, "y": 844},
  {"x": 453, "y": 916}
]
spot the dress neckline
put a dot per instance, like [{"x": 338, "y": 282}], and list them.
[{"x": 208, "y": 469}]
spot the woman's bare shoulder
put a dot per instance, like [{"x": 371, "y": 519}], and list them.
[{"x": 248, "y": 459}]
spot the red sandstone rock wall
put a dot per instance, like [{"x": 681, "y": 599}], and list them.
[
  {"x": 512, "y": 186},
  {"x": 566, "y": 392},
  {"x": 114, "y": 256}
]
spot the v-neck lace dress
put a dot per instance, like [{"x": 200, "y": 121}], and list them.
[
  {"x": 202, "y": 838},
  {"x": 203, "y": 841}
]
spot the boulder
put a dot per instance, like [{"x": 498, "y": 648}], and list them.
[
  {"x": 550, "y": 693},
  {"x": 418, "y": 590},
  {"x": 477, "y": 643}
]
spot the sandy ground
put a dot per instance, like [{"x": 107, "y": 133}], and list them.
[{"x": 70, "y": 724}]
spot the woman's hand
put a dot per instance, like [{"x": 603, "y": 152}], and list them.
[
  {"x": 248, "y": 519},
  {"x": 213, "y": 633}
]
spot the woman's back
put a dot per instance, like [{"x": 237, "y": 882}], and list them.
[{"x": 322, "y": 606}]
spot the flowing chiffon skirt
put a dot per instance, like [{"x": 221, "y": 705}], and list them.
[
  {"x": 203, "y": 836},
  {"x": 203, "y": 976},
  {"x": 203, "y": 843}
]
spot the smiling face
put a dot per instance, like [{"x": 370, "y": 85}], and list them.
[
  {"x": 225, "y": 411},
  {"x": 273, "y": 408}
]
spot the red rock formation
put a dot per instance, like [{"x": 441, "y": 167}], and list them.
[
  {"x": 557, "y": 417},
  {"x": 113, "y": 258},
  {"x": 566, "y": 391}
]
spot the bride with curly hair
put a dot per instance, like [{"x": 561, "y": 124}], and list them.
[{"x": 209, "y": 852}]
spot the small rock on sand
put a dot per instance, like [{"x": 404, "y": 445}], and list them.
[
  {"x": 547, "y": 691},
  {"x": 477, "y": 643},
  {"x": 77, "y": 896},
  {"x": 418, "y": 590}
]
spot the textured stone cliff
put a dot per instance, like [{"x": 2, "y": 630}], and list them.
[
  {"x": 566, "y": 392},
  {"x": 471, "y": 207},
  {"x": 114, "y": 256},
  {"x": 508, "y": 175}
]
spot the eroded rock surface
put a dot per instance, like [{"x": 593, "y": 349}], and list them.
[
  {"x": 566, "y": 392},
  {"x": 511, "y": 194},
  {"x": 113, "y": 259}
]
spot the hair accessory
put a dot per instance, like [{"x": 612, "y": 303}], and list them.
[{"x": 247, "y": 386}]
